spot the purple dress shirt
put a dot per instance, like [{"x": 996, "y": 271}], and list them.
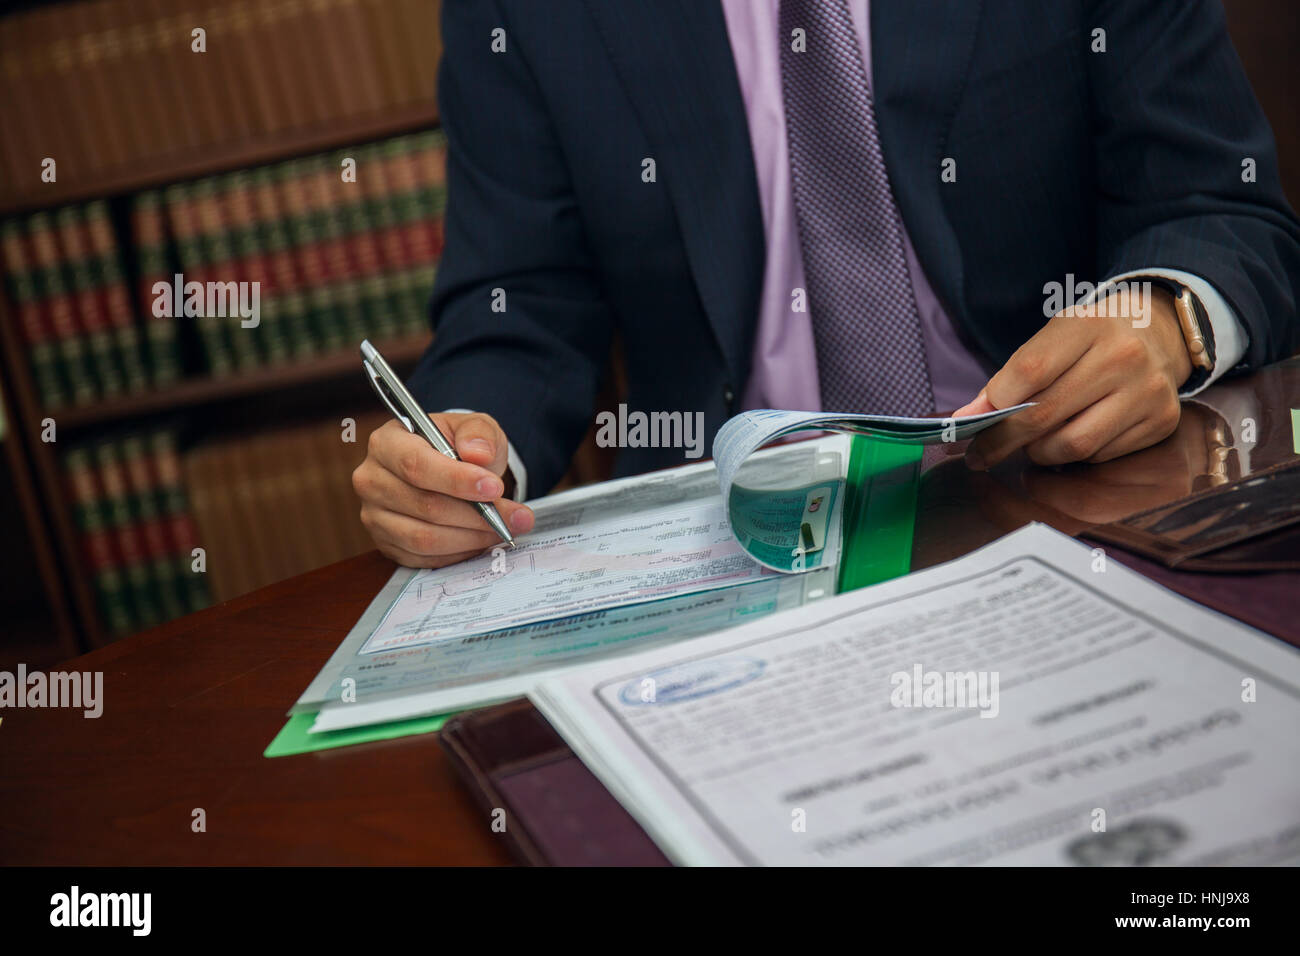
[{"x": 784, "y": 368}]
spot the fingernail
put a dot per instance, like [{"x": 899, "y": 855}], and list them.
[
  {"x": 490, "y": 487},
  {"x": 521, "y": 521},
  {"x": 975, "y": 461},
  {"x": 479, "y": 444}
]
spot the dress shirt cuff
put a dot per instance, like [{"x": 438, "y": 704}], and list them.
[
  {"x": 513, "y": 462},
  {"x": 1230, "y": 337}
]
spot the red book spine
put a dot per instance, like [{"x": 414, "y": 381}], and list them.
[{"x": 60, "y": 309}]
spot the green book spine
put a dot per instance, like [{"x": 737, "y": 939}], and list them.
[
  {"x": 148, "y": 233},
  {"x": 420, "y": 283},
  {"x": 324, "y": 193},
  {"x": 142, "y": 499},
  {"x": 57, "y": 301},
  {"x": 326, "y": 318},
  {"x": 253, "y": 265},
  {"x": 42, "y": 351},
  {"x": 192, "y": 253},
  {"x": 367, "y": 259},
  {"x": 416, "y": 222},
  {"x": 92, "y": 318},
  {"x": 411, "y": 216},
  {"x": 182, "y": 532},
  {"x": 97, "y": 541},
  {"x": 428, "y": 161},
  {"x": 110, "y": 286},
  {"x": 117, "y": 509},
  {"x": 291, "y": 303},
  {"x": 221, "y": 269},
  {"x": 389, "y": 233}
]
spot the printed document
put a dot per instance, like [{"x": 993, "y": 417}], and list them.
[
  {"x": 645, "y": 540},
  {"x": 1027, "y": 704},
  {"x": 411, "y": 654}
]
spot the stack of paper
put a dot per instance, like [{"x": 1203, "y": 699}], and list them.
[{"x": 1025, "y": 704}]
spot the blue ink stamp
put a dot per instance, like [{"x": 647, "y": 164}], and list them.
[{"x": 690, "y": 681}]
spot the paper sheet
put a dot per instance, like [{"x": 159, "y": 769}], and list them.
[
  {"x": 763, "y": 506},
  {"x": 1082, "y": 715},
  {"x": 737, "y": 440},
  {"x": 603, "y": 549},
  {"x": 476, "y": 671},
  {"x": 364, "y": 683}
]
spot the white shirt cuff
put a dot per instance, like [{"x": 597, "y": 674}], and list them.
[
  {"x": 1230, "y": 337},
  {"x": 513, "y": 461}
]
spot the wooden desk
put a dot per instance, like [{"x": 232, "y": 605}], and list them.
[{"x": 189, "y": 707}]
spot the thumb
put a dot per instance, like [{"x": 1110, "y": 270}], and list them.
[
  {"x": 976, "y": 406},
  {"x": 479, "y": 440}
]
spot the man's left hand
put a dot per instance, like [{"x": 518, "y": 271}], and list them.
[{"x": 1105, "y": 385}]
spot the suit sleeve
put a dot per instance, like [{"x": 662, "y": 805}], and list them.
[
  {"x": 1187, "y": 168},
  {"x": 521, "y": 330}
]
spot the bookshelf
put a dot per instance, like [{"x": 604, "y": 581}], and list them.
[
  {"x": 205, "y": 391},
  {"x": 90, "y": 83},
  {"x": 199, "y": 163}
]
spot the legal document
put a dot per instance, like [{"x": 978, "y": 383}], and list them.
[
  {"x": 612, "y": 568},
  {"x": 598, "y": 548},
  {"x": 780, "y": 521},
  {"x": 741, "y": 436},
  {"x": 609, "y": 568},
  {"x": 1028, "y": 704}
]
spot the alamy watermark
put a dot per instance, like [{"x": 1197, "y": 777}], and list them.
[
  {"x": 75, "y": 908},
  {"x": 940, "y": 689},
  {"x": 1123, "y": 297},
  {"x": 638, "y": 429},
  {"x": 208, "y": 300},
  {"x": 76, "y": 689}
]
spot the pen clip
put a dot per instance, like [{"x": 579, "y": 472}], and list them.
[{"x": 377, "y": 383}]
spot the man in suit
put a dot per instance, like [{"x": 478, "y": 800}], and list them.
[{"x": 860, "y": 205}]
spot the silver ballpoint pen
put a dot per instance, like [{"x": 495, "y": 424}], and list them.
[{"x": 408, "y": 411}]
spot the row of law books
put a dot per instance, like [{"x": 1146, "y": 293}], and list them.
[
  {"x": 138, "y": 534},
  {"x": 255, "y": 267},
  {"x": 167, "y": 531},
  {"x": 114, "y": 84}
]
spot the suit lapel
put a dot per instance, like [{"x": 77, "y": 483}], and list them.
[
  {"x": 920, "y": 53},
  {"x": 674, "y": 60}
]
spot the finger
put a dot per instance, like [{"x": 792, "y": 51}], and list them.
[
  {"x": 1142, "y": 435},
  {"x": 1033, "y": 367},
  {"x": 1087, "y": 381},
  {"x": 414, "y": 461},
  {"x": 420, "y": 537},
  {"x": 1086, "y": 433},
  {"x": 382, "y": 488},
  {"x": 479, "y": 439},
  {"x": 978, "y": 405}
]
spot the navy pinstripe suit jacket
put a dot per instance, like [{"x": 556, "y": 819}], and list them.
[{"x": 1068, "y": 161}]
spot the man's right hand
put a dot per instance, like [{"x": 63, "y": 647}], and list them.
[{"x": 415, "y": 502}]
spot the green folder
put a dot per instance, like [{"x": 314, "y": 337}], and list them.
[{"x": 879, "y": 508}]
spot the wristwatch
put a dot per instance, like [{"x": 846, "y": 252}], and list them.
[{"x": 1197, "y": 332}]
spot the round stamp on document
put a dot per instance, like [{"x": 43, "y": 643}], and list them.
[{"x": 690, "y": 681}]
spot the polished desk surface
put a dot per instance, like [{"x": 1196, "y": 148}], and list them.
[{"x": 190, "y": 706}]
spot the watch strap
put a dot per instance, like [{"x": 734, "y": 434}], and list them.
[{"x": 1198, "y": 334}]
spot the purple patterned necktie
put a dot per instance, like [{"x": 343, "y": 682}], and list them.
[{"x": 870, "y": 354}]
